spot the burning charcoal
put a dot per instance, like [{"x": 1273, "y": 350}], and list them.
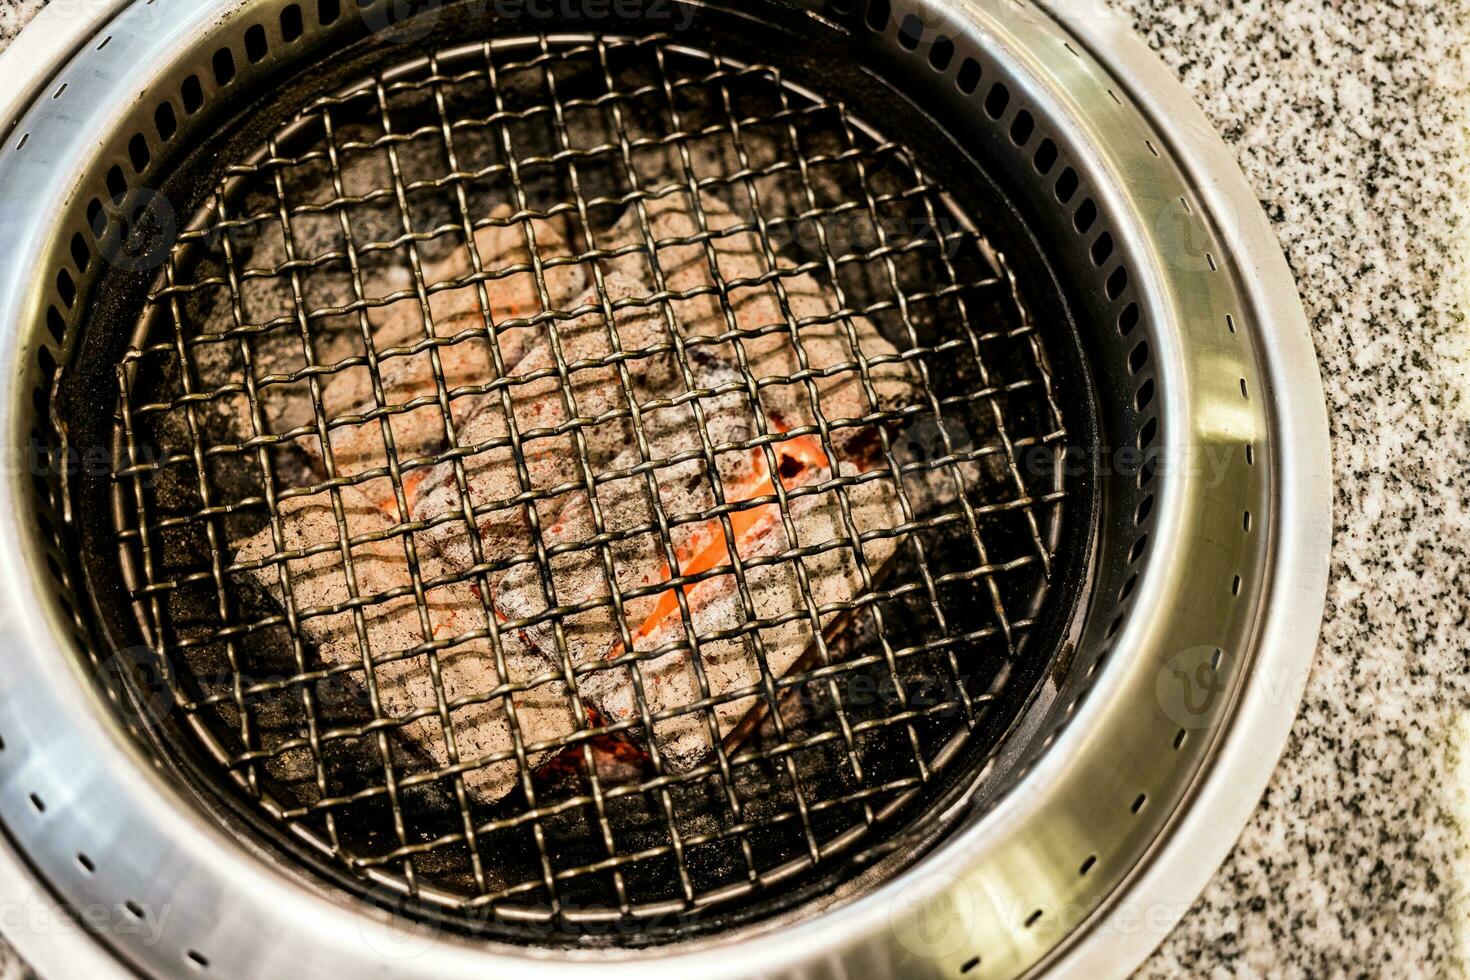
[
  {"x": 579, "y": 576},
  {"x": 394, "y": 629},
  {"x": 758, "y": 314},
  {"x": 512, "y": 292},
  {"x": 732, "y": 666},
  {"x": 654, "y": 620},
  {"x": 551, "y": 460},
  {"x": 406, "y": 368},
  {"x": 639, "y": 559}
]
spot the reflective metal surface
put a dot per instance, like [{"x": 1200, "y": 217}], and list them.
[{"x": 1140, "y": 777}]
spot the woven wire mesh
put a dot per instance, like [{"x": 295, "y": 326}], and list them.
[{"x": 382, "y": 199}]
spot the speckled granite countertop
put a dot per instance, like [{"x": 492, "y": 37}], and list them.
[{"x": 1349, "y": 119}]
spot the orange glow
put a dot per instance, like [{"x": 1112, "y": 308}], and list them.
[{"x": 794, "y": 457}]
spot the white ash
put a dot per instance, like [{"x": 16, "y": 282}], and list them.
[
  {"x": 670, "y": 681},
  {"x": 467, "y": 362},
  {"x": 638, "y": 560},
  {"x": 551, "y": 460},
  {"x": 755, "y": 309},
  {"x": 468, "y": 667},
  {"x": 760, "y": 314}
]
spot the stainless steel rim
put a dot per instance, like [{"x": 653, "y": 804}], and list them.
[{"x": 106, "y": 802}]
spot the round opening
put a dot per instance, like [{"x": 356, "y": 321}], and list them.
[
  {"x": 421, "y": 265},
  {"x": 586, "y": 488}
]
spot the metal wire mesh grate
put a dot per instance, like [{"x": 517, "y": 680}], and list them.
[{"x": 584, "y": 478}]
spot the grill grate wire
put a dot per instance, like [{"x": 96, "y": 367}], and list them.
[{"x": 583, "y": 130}]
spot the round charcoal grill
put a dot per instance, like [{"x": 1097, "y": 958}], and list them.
[
  {"x": 220, "y": 412},
  {"x": 720, "y": 488}
]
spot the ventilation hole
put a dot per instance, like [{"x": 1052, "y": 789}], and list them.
[
  {"x": 941, "y": 53},
  {"x": 1250, "y": 454},
  {"x": 58, "y": 93},
  {"x": 105, "y": 42},
  {"x": 1127, "y": 589},
  {"x": 1151, "y": 148},
  {"x": 1138, "y": 803},
  {"x": 1138, "y": 357},
  {"x": 878, "y": 11},
  {"x": 117, "y": 184},
  {"x": 1046, "y": 157},
  {"x": 224, "y": 67},
  {"x": 165, "y": 121},
  {"x": 1102, "y": 248},
  {"x": 1145, "y": 395},
  {"x": 1087, "y": 865},
  {"x": 1187, "y": 208},
  {"x": 1066, "y": 185},
  {"x": 1179, "y": 737},
  {"x": 970, "y": 964},
  {"x": 1136, "y": 552},
  {"x": 1114, "y": 625},
  {"x": 290, "y": 23},
  {"x": 134, "y": 909},
  {"x": 327, "y": 11},
  {"x": 1032, "y": 919},
  {"x": 1148, "y": 432},
  {"x": 66, "y": 288},
  {"x": 38, "y": 803},
  {"x": 1243, "y": 392},
  {"x": 1117, "y": 282},
  {"x": 1148, "y": 471},
  {"x": 1235, "y": 586},
  {"x": 1245, "y": 522},
  {"x": 138, "y": 153},
  {"x": 96, "y": 219},
  {"x": 1128, "y": 319},
  {"x": 255, "y": 43},
  {"x": 55, "y": 323},
  {"x": 192, "y": 94},
  {"x": 1215, "y": 658},
  {"x": 1145, "y": 508},
  {"x": 968, "y": 77},
  {"x": 1114, "y": 96},
  {"x": 997, "y": 100},
  {"x": 47, "y": 362},
  {"x": 53, "y": 566},
  {"x": 198, "y": 959},
  {"x": 1230, "y": 322},
  {"x": 1211, "y": 260},
  {"x": 86, "y": 864},
  {"x": 1085, "y": 216},
  {"x": 1022, "y": 128},
  {"x": 2, "y": 744},
  {"x": 910, "y": 32},
  {"x": 24, "y": 138}
]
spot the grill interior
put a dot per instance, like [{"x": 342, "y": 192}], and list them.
[{"x": 355, "y": 207}]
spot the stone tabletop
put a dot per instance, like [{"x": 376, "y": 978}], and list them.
[{"x": 1349, "y": 119}]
